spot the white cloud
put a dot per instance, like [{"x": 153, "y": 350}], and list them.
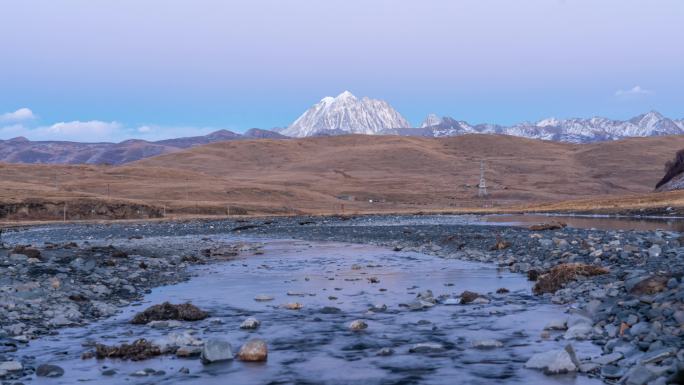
[
  {"x": 633, "y": 92},
  {"x": 19, "y": 124},
  {"x": 19, "y": 115},
  {"x": 78, "y": 131},
  {"x": 92, "y": 130}
]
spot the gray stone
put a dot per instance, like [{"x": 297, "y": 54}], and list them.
[
  {"x": 640, "y": 328},
  {"x": 579, "y": 332},
  {"x": 427, "y": 347},
  {"x": 657, "y": 356},
  {"x": 608, "y": 358},
  {"x": 679, "y": 317},
  {"x": 487, "y": 344},
  {"x": 216, "y": 350},
  {"x": 640, "y": 375},
  {"x": 612, "y": 372}
]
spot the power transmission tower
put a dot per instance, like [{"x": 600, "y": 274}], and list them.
[{"x": 482, "y": 193}]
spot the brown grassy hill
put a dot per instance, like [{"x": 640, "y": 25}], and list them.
[{"x": 396, "y": 173}]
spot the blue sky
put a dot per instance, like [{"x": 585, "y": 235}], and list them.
[{"x": 108, "y": 70}]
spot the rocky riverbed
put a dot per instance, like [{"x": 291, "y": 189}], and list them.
[{"x": 633, "y": 314}]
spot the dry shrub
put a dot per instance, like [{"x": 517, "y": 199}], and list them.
[
  {"x": 167, "y": 311},
  {"x": 548, "y": 226},
  {"x": 500, "y": 244},
  {"x": 468, "y": 297},
  {"x": 139, "y": 350},
  {"x": 558, "y": 276},
  {"x": 673, "y": 168},
  {"x": 651, "y": 285}
]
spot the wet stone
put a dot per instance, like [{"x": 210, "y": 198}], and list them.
[
  {"x": 358, "y": 325},
  {"x": 47, "y": 370},
  {"x": 427, "y": 347}
]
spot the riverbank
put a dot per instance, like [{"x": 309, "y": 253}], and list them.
[{"x": 634, "y": 312}]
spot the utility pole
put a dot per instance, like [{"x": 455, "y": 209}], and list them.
[{"x": 482, "y": 192}]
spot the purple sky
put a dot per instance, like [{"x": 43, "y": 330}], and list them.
[{"x": 107, "y": 70}]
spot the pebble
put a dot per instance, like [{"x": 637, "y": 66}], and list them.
[
  {"x": 427, "y": 347},
  {"x": 487, "y": 344},
  {"x": 358, "y": 325},
  {"x": 250, "y": 323}
]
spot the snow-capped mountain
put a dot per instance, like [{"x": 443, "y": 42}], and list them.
[
  {"x": 346, "y": 114},
  {"x": 575, "y": 130}
]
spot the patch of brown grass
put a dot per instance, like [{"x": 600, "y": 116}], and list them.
[{"x": 558, "y": 276}]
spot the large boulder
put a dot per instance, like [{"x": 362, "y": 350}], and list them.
[{"x": 216, "y": 350}]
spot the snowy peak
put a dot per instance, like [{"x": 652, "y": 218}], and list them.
[
  {"x": 431, "y": 120},
  {"x": 346, "y": 114}
]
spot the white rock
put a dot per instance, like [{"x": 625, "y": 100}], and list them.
[
  {"x": 487, "y": 344},
  {"x": 250, "y": 323},
  {"x": 11, "y": 366},
  {"x": 556, "y": 324},
  {"x": 552, "y": 362},
  {"x": 579, "y": 332},
  {"x": 357, "y": 325}
]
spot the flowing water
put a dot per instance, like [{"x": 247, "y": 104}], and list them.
[
  {"x": 313, "y": 345},
  {"x": 596, "y": 222},
  {"x": 601, "y": 222}
]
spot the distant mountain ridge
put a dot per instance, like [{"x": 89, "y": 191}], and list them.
[
  {"x": 22, "y": 150},
  {"x": 573, "y": 130}
]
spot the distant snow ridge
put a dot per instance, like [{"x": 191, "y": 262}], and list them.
[
  {"x": 346, "y": 114},
  {"x": 574, "y": 130}
]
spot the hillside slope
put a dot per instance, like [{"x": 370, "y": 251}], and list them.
[{"x": 325, "y": 174}]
